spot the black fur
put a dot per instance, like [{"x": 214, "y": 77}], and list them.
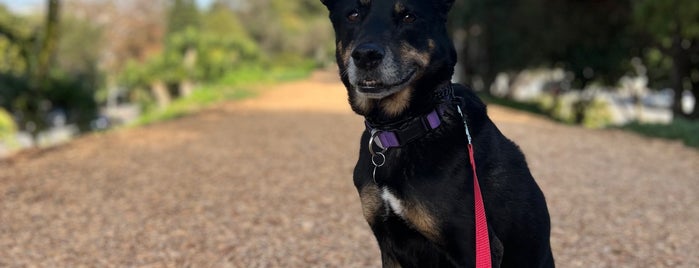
[{"x": 432, "y": 175}]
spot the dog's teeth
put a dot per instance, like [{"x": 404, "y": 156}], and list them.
[{"x": 370, "y": 83}]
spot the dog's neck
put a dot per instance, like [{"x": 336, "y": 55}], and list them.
[{"x": 422, "y": 102}]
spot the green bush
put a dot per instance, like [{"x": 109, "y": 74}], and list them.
[
  {"x": 546, "y": 102},
  {"x": 597, "y": 114},
  {"x": 7, "y": 125},
  {"x": 563, "y": 109}
]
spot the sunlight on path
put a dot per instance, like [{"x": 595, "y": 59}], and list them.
[{"x": 321, "y": 93}]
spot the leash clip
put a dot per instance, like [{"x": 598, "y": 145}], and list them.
[{"x": 468, "y": 133}]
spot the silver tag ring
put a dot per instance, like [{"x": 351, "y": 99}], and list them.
[{"x": 379, "y": 159}]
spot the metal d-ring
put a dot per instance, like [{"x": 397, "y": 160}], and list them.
[{"x": 379, "y": 159}]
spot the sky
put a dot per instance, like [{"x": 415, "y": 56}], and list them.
[{"x": 28, "y": 5}]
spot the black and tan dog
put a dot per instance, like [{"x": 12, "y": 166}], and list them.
[{"x": 413, "y": 173}]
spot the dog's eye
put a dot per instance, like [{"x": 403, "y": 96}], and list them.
[
  {"x": 354, "y": 16},
  {"x": 409, "y": 18}
]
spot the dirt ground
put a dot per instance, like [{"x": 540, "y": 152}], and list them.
[{"x": 268, "y": 183}]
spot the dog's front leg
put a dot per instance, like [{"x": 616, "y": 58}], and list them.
[{"x": 497, "y": 250}]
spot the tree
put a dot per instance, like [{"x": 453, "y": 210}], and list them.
[
  {"x": 37, "y": 50},
  {"x": 672, "y": 26},
  {"x": 130, "y": 33},
  {"x": 182, "y": 14},
  {"x": 289, "y": 29},
  {"x": 587, "y": 38}
]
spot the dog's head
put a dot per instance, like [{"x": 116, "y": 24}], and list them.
[{"x": 391, "y": 52}]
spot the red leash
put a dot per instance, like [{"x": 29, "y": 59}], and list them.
[{"x": 483, "y": 259}]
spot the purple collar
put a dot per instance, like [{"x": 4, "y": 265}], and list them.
[{"x": 408, "y": 131}]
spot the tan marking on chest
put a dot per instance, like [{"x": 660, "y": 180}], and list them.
[
  {"x": 421, "y": 219},
  {"x": 415, "y": 213}
]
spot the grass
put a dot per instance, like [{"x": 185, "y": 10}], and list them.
[
  {"x": 680, "y": 129},
  {"x": 234, "y": 86},
  {"x": 200, "y": 98},
  {"x": 527, "y": 107}
]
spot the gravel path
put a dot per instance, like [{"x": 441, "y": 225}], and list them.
[{"x": 267, "y": 183}]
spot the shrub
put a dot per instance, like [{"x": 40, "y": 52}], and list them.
[
  {"x": 597, "y": 114},
  {"x": 680, "y": 129},
  {"x": 7, "y": 125}
]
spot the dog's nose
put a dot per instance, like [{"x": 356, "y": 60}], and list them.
[{"x": 368, "y": 56}]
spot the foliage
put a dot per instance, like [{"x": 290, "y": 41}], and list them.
[
  {"x": 234, "y": 86},
  {"x": 281, "y": 26},
  {"x": 7, "y": 125},
  {"x": 597, "y": 114},
  {"x": 680, "y": 129},
  {"x": 182, "y": 15},
  {"x": 79, "y": 49},
  {"x": 74, "y": 95},
  {"x": 663, "y": 19},
  {"x": 510, "y": 35},
  {"x": 34, "y": 88},
  {"x": 672, "y": 53}
]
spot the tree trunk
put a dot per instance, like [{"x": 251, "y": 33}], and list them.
[
  {"x": 694, "y": 115},
  {"x": 39, "y": 67},
  {"x": 161, "y": 94},
  {"x": 190, "y": 61},
  {"x": 49, "y": 42},
  {"x": 186, "y": 88},
  {"x": 680, "y": 70}
]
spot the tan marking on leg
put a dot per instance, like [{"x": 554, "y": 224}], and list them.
[
  {"x": 397, "y": 103},
  {"x": 414, "y": 55},
  {"x": 422, "y": 220},
  {"x": 371, "y": 202}
]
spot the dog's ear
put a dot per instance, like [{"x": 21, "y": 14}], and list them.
[
  {"x": 328, "y": 3},
  {"x": 444, "y": 5}
]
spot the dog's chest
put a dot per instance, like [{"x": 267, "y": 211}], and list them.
[
  {"x": 392, "y": 202},
  {"x": 381, "y": 202}
]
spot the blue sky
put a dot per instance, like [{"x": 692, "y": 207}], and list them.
[{"x": 25, "y": 5}]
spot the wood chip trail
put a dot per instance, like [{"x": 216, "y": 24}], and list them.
[{"x": 267, "y": 182}]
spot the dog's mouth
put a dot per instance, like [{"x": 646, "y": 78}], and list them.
[{"x": 377, "y": 89}]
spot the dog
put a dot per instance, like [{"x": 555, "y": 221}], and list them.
[{"x": 413, "y": 174}]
